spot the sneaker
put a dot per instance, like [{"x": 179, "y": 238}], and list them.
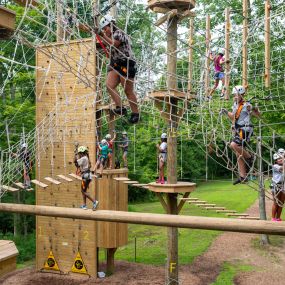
[
  {"x": 120, "y": 111},
  {"x": 158, "y": 180},
  {"x": 222, "y": 96},
  {"x": 83, "y": 207},
  {"x": 240, "y": 180},
  {"x": 135, "y": 117},
  {"x": 274, "y": 220},
  {"x": 95, "y": 204},
  {"x": 162, "y": 182},
  {"x": 278, "y": 220}
]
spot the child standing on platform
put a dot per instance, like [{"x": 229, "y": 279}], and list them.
[
  {"x": 277, "y": 186},
  {"x": 84, "y": 164},
  {"x": 103, "y": 156},
  {"x": 124, "y": 146},
  {"x": 110, "y": 142},
  {"x": 162, "y": 157}
]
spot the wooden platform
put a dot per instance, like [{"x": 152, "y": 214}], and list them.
[
  {"x": 171, "y": 4},
  {"x": 180, "y": 187},
  {"x": 25, "y": 2},
  {"x": 166, "y": 95},
  {"x": 8, "y": 255},
  {"x": 7, "y": 22}
]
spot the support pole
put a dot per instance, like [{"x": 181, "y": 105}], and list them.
[
  {"x": 267, "y": 43},
  {"x": 227, "y": 51},
  {"x": 190, "y": 58},
  {"x": 59, "y": 29},
  {"x": 207, "y": 63},
  {"x": 110, "y": 260},
  {"x": 172, "y": 255},
  {"x": 262, "y": 209},
  {"x": 244, "y": 42}
]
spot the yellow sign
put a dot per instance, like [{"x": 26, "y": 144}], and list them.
[
  {"x": 78, "y": 265},
  {"x": 51, "y": 263}
]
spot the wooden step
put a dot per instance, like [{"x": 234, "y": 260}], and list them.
[
  {"x": 63, "y": 177},
  {"x": 75, "y": 176},
  {"x": 140, "y": 185},
  {"x": 121, "y": 178},
  {"x": 22, "y": 186},
  {"x": 226, "y": 211},
  {"x": 250, "y": 218},
  {"x": 215, "y": 208},
  {"x": 198, "y": 202},
  {"x": 238, "y": 215},
  {"x": 56, "y": 182},
  {"x": 206, "y": 205},
  {"x": 130, "y": 182},
  {"x": 9, "y": 188},
  {"x": 189, "y": 199},
  {"x": 38, "y": 183}
]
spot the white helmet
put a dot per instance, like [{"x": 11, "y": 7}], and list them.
[
  {"x": 108, "y": 137},
  {"x": 124, "y": 133},
  {"x": 281, "y": 151},
  {"x": 82, "y": 149},
  {"x": 24, "y": 145},
  {"x": 221, "y": 51},
  {"x": 163, "y": 136},
  {"x": 103, "y": 142},
  {"x": 238, "y": 90},
  {"x": 106, "y": 20},
  {"x": 277, "y": 156}
]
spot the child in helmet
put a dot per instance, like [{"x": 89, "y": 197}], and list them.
[
  {"x": 110, "y": 143},
  {"x": 243, "y": 130},
  {"x": 162, "y": 157},
  {"x": 85, "y": 165},
  {"x": 25, "y": 156},
  {"x": 122, "y": 68},
  {"x": 124, "y": 146},
  {"x": 277, "y": 186},
  {"x": 219, "y": 61},
  {"x": 103, "y": 156}
]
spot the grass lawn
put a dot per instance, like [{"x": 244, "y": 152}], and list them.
[{"x": 147, "y": 244}]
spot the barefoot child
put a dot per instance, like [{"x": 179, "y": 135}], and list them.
[
  {"x": 162, "y": 148},
  {"x": 277, "y": 186},
  {"x": 124, "y": 146},
  {"x": 103, "y": 156},
  {"x": 85, "y": 165}
]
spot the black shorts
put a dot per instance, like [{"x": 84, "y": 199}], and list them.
[
  {"x": 242, "y": 137},
  {"x": 126, "y": 67}
]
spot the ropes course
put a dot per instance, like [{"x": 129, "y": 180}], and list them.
[{"x": 200, "y": 120}]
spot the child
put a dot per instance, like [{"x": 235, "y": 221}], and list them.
[
  {"x": 277, "y": 186},
  {"x": 124, "y": 146},
  {"x": 162, "y": 148},
  {"x": 219, "y": 61},
  {"x": 85, "y": 165},
  {"x": 101, "y": 162},
  {"x": 243, "y": 130},
  {"x": 110, "y": 142}
]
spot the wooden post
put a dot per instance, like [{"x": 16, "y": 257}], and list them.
[
  {"x": 262, "y": 209},
  {"x": 59, "y": 30},
  {"x": 110, "y": 260},
  {"x": 227, "y": 51},
  {"x": 190, "y": 58},
  {"x": 207, "y": 62},
  {"x": 172, "y": 254},
  {"x": 244, "y": 43},
  {"x": 267, "y": 43}
]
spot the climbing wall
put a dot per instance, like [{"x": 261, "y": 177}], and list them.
[{"x": 65, "y": 115}]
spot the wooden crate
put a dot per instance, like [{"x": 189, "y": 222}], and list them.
[{"x": 8, "y": 256}]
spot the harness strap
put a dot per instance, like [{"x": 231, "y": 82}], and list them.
[{"x": 237, "y": 115}]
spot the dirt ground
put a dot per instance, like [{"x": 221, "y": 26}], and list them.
[{"x": 268, "y": 266}]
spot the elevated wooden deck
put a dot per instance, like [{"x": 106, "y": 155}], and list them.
[{"x": 7, "y": 23}]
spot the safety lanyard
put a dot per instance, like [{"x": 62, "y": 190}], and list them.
[{"x": 102, "y": 45}]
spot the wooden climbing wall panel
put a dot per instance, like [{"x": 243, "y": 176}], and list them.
[{"x": 65, "y": 93}]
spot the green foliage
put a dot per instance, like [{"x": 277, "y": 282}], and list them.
[{"x": 229, "y": 272}]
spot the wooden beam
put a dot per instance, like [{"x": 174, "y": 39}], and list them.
[
  {"x": 162, "y": 201},
  {"x": 53, "y": 181},
  {"x": 207, "y": 62},
  {"x": 182, "y": 201},
  {"x": 244, "y": 43},
  {"x": 36, "y": 182},
  {"x": 267, "y": 43},
  {"x": 7, "y": 19},
  {"x": 75, "y": 176},
  {"x": 227, "y": 51},
  {"x": 190, "y": 56},
  {"x": 63, "y": 177},
  {"x": 169, "y": 15},
  {"x": 25, "y": 3},
  {"x": 206, "y": 223},
  {"x": 9, "y": 188}
]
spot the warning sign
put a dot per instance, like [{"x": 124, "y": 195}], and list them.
[
  {"x": 51, "y": 263},
  {"x": 78, "y": 265}
]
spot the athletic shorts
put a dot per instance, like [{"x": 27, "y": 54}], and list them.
[
  {"x": 277, "y": 188},
  {"x": 162, "y": 157},
  {"x": 242, "y": 136},
  {"x": 126, "y": 67},
  {"x": 219, "y": 75}
]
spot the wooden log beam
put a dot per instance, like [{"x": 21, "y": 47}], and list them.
[
  {"x": 25, "y": 3},
  {"x": 166, "y": 17},
  {"x": 206, "y": 223}
]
